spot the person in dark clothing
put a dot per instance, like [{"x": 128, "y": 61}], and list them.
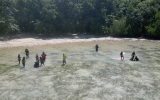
[
  {"x": 96, "y": 47},
  {"x": 27, "y": 53},
  {"x": 136, "y": 58},
  {"x": 42, "y": 61},
  {"x": 23, "y": 61},
  {"x": 19, "y": 58},
  {"x": 36, "y": 64},
  {"x": 121, "y": 54},
  {"x": 133, "y": 56},
  {"x": 37, "y": 58}
]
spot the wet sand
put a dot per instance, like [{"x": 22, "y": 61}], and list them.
[{"x": 88, "y": 75}]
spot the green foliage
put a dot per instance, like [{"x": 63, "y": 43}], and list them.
[
  {"x": 105, "y": 30},
  {"x": 157, "y": 16},
  {"x": 28, "y": 11},
  {"x": 142, "y": 15},
  {"x": 119, "y": 27},
  {"x": 130, "y": 9},
  {"x": 153, "y": 30},
  {"x": 7, "y": 21},
  {"x": 119, "y": 17},
  {"x": 157, "y": 28},
  {"x": 128, "y": 30},
  {"x": 41, "y": 27},
  {"x": 150, "y": 31}
]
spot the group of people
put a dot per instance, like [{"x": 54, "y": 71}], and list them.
[
  {"x": 133, "y": 56},
  {"x": 40, "y": 60},
  {"x": 43, "y": 57},
  {"x": 23, "y": 59}
]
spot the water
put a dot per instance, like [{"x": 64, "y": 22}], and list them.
[{"x": 88, "y": 75}]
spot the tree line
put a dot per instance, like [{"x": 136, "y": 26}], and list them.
[{"x": 117, "y": 17}]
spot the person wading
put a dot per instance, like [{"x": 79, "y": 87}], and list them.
[{"x": 64, "y": 59}]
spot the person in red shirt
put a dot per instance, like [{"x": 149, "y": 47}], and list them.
[{"x": 43, "y": 56}]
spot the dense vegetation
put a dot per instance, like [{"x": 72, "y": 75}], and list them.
[{"x": 118, "y": 17}]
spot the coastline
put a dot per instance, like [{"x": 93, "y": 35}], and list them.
[{"x": 33, "y": 40}]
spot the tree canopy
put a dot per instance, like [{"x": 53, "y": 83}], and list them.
[{"x": 117, "y": 17}]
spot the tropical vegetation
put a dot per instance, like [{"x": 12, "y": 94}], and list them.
[{"x": 132, "y": 18}]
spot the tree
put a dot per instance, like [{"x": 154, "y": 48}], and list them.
[
  {"x": 119, "y": 27},
  {"x": 28, "y": 11},
  {"x": 153, "y": 30},
  {"x": 7, "y": 21},
  {"x": 157, "y": 28},
  {"x": 48, "y": 14}
]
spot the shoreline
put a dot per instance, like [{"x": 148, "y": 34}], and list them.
[{"x": 30, "y": 40}]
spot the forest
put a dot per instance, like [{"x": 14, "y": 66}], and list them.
[{"x": 130, "y": 18}]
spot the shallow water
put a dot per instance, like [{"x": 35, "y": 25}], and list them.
[{"x": 88, "y": 75}]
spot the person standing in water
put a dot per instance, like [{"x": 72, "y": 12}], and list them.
[
  {"x": 43, "y": 56},
  {"x": 64, "y": 59},
  {"x": 96, "y": 47},
  {"x": 19, "y": 58},
  {"x": 27, "y": 53},
  {"x": 37, "y": 58},
  {"x": 121, "y": 54},
  {"x": 42, "y": 62},
  {"x": 23, "y": 61}
]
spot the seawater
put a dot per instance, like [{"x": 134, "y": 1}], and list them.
[{"x": 88, "y": 75}]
